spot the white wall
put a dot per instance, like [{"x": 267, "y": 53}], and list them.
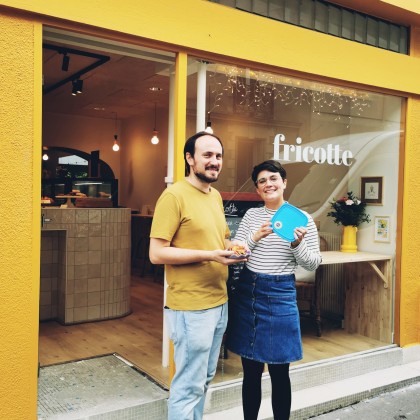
[
  {"x": 139, "y": 166},
  {"x": 82, "y": 133}
]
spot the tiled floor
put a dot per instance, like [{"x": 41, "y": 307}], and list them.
[{"x": 105, "y": 387}]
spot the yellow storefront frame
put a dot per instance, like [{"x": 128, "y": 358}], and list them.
[{"x": 284, "y": 47}]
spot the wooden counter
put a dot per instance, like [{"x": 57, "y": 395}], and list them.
[{"x": 368, "y": 301}]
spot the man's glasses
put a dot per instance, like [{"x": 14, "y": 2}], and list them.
[{"x": 273, "y": 179}]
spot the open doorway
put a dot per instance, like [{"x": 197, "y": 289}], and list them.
[{"x": 96, "y": 93}]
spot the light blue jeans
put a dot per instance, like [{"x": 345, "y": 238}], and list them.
[{"x": 197, "y": 337}]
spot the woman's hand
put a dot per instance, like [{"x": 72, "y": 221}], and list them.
[
  {"x": 263, "y": 231},
  {"x": 299, "y": 233}
]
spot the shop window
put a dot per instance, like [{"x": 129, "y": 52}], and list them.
[
  {"x": 347, "y": 27},
  {"x": 383, "y": 35},
  {"x": 321, "y": 17},
  {"x": 372, "y": 32},
  {"x": 276, "y": 10},
  {"x": 306, "y": 16},
  {"x": 329, "y": 18},
  {"x": 328, "y": 138},
  {"x": 360, "y": 28},
  {"x": 334, "y": 20}
]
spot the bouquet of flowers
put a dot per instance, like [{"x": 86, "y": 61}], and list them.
[{"x": 348, "y": 211}]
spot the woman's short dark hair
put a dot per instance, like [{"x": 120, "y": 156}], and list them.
[
  {"x": 268, "y": 165},
  {"x": 190, "y": 147}
]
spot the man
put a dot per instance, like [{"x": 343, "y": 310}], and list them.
[{"x": 190, "y": 236}]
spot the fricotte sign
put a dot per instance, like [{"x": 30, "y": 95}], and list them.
[{"x": 332, "y": 155}]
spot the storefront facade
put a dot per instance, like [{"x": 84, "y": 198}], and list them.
[{"x": 375, "y": 93}]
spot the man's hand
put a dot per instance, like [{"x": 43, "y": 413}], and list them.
[
  {"x": 222, "y": 256},
  {"x": 161, "y": 252}
]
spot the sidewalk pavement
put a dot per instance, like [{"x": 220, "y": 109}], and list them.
[
  {"x": 403, "y": 403},
  {"x": 311, "y": 402}
]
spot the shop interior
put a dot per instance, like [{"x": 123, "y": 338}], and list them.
[{"x": 100, "y": 94}]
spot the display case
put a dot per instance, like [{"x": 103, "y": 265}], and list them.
[{"x": 91, "y": 187}]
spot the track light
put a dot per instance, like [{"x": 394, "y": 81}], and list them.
[
  {"x": 66, "y": 62},
  {"x": 77, "y": 87},
  {"x": 155, "y": 138}
]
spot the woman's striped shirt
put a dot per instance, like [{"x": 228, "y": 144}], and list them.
[{"x": 274, "y": 255}]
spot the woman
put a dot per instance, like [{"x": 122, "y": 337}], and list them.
[{"x": 263, "y": 315}]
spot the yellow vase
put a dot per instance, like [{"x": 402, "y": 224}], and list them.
[{"x": 348, "y": 243}]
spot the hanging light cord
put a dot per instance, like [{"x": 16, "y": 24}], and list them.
[{"x": 154, "y": 129}]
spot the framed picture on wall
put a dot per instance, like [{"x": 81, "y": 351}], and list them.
[
  {"x": 372, "y": 190},
  {"x": 382, "y": 232}
]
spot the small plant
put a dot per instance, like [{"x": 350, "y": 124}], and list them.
[{"x": 348, "y": 211}]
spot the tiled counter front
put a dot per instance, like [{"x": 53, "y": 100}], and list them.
[{"x": 85, "y": 264}]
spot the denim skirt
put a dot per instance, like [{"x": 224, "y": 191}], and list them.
[{"x": 263, "y": 322}]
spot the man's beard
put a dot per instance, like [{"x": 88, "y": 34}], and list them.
[{"x": 205, "y": 178}]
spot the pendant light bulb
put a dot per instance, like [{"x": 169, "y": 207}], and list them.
[
  {"x": 155, "y": 138},
  {"x": 208, "y": 128},
  {"x": 45, "y": 156},
  {"x": 115, "y": 146}
]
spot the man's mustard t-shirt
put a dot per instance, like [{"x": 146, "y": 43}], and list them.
[{"x": 192, "y": 219}]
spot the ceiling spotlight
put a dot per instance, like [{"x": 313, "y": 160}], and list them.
[
  {"x": 77, "y": 87},
  {"x": 66, "y": 62}
]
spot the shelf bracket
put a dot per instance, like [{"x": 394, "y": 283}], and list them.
[{"x": 379, "y": 273}]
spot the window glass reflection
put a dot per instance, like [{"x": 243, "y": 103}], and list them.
[{"x": 327, "y": 137}]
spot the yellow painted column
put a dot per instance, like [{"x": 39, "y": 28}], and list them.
[
  {"x": 410, "y": 264},
  {"x": 20, "y": 183},
  {"x": 409, "y": 304},
  {"x": 180, "y": 111},
  {"x": 180, "y": 108}
]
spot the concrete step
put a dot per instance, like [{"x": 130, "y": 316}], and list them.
[
  {"x": 228, "y": 394},
  {"x": 102, "y": 388},
  {"x": 316, "y": 400},
  {"x": 110, "y": 388}
]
